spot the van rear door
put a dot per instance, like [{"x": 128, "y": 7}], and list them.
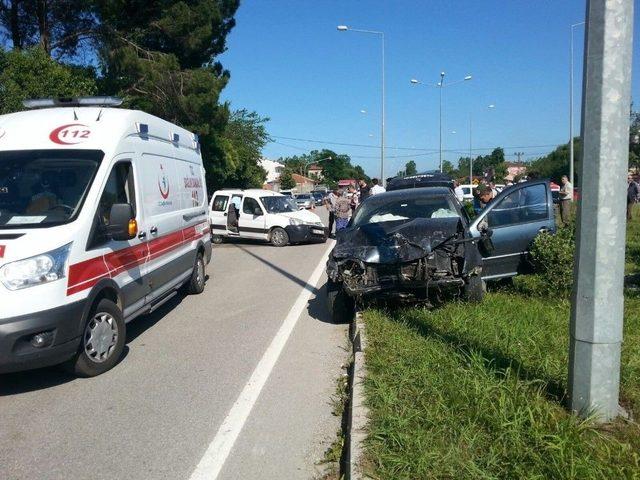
[{"x": 218, "y": 213}]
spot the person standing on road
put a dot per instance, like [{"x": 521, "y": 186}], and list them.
[
  {"x": 343, "y": 211},
  {"x": 330, "y": 204},
  {"x": 365, "y": 190},
  {"x": 633, "y": 190},
  {"x": 376, "y": 188},
  {"x": 566, "y": 195}
]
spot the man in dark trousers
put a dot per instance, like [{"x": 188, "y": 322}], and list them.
[
  {"x": 632, "y": 195},
  {"x": 330, "y": 203}
]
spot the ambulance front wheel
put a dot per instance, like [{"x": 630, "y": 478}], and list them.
[{"x": 102, "y": 341}]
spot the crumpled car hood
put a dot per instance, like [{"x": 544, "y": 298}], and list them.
[{"x": 390, "y": 242}]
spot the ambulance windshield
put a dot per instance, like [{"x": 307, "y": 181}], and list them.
[{"x": 42, "y": 188}]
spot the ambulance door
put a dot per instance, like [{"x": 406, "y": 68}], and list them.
[
  {"x": 161, "y": 192},
  {"x": 126, "y": 261}
]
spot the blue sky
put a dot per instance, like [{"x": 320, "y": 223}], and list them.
[{"x": 288, "y": 62}]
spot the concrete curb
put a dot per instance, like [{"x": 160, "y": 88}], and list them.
[{"x": 358, "y": 412}]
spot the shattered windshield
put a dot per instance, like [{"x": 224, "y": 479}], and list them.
[
  {"x": 277, "y": 204},
  {"x": 41, "y": 188},
  {"x": 380, "y": 210}
]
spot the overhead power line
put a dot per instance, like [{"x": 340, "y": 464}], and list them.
[{"x": 425, "y": 150}]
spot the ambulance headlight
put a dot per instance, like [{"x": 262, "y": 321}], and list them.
[{"x": 43, "y": 268}]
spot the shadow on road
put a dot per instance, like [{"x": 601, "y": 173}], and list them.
[
  {"x": 275, "y": 267},
  {"x": 43, "y": 378}
]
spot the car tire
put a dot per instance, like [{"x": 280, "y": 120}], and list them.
[
  {"x": 279, "y": 237},
  {"x": 341, "y": 306},
  {"x": 195, "y": 285},
  {"x": 217, "y": 239},
  {"x": 102, "y": 341},
  {"x": 474, "y": 289}
]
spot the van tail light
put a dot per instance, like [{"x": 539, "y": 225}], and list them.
[{"x": 133, "y": 227}]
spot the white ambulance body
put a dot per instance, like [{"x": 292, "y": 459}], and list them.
[{"x": 103, "y": 217}]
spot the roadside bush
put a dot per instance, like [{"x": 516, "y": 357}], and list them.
[{"x": 552, "y": 258}]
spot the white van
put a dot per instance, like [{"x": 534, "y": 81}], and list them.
[
  {"x": 103, "y": 217},
  {"x": 262, "y": 215}
]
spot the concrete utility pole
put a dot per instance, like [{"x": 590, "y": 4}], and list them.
[{"x": 597, "y": 301}]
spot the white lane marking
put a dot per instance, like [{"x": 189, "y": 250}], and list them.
[{"x": 211, "y": 463}]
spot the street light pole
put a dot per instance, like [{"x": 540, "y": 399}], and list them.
[
  {"x": 345, "y": 28},
  {"x": 571, "y": 168},
  {"x": 470, "y": 154},
  {"x": 441, "y": 85}
]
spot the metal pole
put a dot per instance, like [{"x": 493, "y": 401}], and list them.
[
  {"x": 470, "y": 157},
  {"x": 382, "y": 178},
  {"x": 441, "y": 85},
  {"x": 597, "y": 300}
]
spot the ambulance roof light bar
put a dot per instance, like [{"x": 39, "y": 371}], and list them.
[{"x": 107, "y": 101}]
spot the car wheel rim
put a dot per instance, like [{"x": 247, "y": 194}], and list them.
[
  {"x": 279, "y": 237},
  {"x": 100, "y": 337},
  {"x": 200, "y": 272}
]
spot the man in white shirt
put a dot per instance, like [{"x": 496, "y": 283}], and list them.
[
  {"x": 376, "y": 188},
  {"x": 458, "y": 191},
  {"x": 566, "y": 196}
]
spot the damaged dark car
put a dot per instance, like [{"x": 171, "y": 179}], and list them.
[{"x": 419, "y": 245}]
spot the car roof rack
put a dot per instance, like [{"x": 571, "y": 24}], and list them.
[{"x": 106, "y": 101}]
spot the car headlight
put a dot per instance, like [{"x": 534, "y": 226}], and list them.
[
  {"x": 43, "y": 268},
  {"x": 295, "y": 221}
]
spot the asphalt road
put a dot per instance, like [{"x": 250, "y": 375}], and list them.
[{"x": 156, "y": 414}]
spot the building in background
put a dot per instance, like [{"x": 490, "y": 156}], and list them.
[
  {"x": 315, "y": 171},
  {"x": 274, "y": 170}
]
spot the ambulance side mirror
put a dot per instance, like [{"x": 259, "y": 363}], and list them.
[{"x": 122, "y": 222}]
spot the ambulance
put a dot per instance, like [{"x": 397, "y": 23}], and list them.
[{"x": 103, "y": 217}]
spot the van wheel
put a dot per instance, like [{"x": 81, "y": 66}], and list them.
[
  {"x": 217, "y": 239},
  {"x": 474, "y": 289},
  {"x": 102, "y": 341},
  {"x": 279, "y": 237},
  {"x": 196, "y": 282}
]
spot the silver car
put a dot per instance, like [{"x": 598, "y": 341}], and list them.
[{"x": 305, "y": 200}]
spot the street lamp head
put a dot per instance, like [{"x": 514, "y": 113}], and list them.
[
  {"x": 414, "y": 81},
  {"x": 468, "y": 77},
  {"x": 343, "y": 28},
  {"x": 363, "y": 111},
  {"x": 442, "y": 74},
  {"x": 492, "y": 106}
]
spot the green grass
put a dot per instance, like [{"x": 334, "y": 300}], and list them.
[{"x": 478, "y": 392}]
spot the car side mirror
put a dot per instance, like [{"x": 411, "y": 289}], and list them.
[
  {"x": 122, "y": 223},
  {"x": 257, "y": 211}
]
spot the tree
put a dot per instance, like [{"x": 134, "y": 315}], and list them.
[
  {"x": 286, "y": 180},
  {"x": 556, "y": 163},
  {"x": 33, "y": 74},
  {"x": 447, "y": 167},
  {"x": 338, "y": 168},
  {"x": 242, "y": 142},
  {"x": 59, "y": 27},
  {"x": 410, "y": 168}
]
